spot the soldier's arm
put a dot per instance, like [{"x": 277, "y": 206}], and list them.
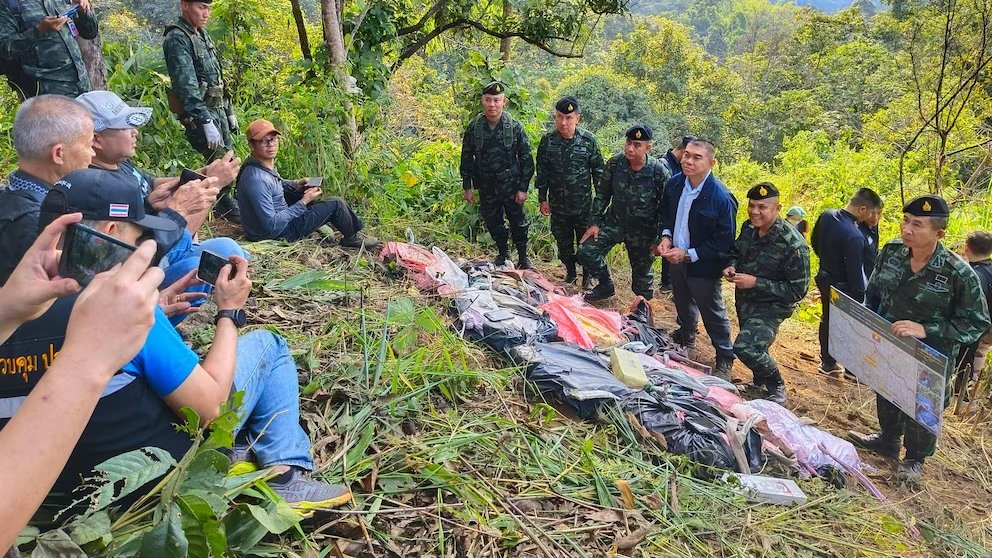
[
  {"x": 542, "y": 170},
  {"x": 466, "y": 162},
  {"x": 795, "y": 282},
  {"x": 597, "y": 165},
  {"x": 179, "y": 59},
  {"x": 14, "y": 43},
  {"x": 969, "y": 319},
  {"x": 526, "y": 158},
  {"x": 602, "y": 197},
  {"x": 87, "y": 24}
]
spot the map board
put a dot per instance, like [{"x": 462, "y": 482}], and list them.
[{"x": 901, "y": 369}]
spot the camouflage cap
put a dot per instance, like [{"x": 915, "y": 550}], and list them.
[
  {"x": 639, "y": 132},
  {"x": 494, "y": 88},
  {"x": 762, "y": 191},
  {"x": 927, "y": 206}
]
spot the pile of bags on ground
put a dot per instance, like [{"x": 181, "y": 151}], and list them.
[{"x": 586, "y": 357}]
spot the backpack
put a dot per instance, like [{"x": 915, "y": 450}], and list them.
[{"x": 23, "y": 84}]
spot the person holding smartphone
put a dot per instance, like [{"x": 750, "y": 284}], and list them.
[{"x": 275, "y": 208}]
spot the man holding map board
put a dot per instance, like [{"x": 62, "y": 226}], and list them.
[{"x": 927, "y": 293}]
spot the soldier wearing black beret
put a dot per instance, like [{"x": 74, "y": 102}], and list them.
[
  {"x": 496, "y": 160},
  {"x": 769, "y": 269},
  {"x": 931, "y": 294}
]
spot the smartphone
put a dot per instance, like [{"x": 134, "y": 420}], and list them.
[
  {"x": 86, "y": 252},
  {"x": 189, "y": 176},
  {"x": 314, "y": 182},
  {"x": 210, "y": 266}
]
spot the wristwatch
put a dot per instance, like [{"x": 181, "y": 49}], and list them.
[{"x": 237, "y": 316}]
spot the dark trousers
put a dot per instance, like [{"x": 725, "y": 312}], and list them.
[
  {"x": 823, "y": 285},
  {"x": 698, "y": 296},
  {"x": 895, "y": 424},
  {"x": 666, "y": 273},
  {"x": 567, "y": 230},
  {"x": 497, "y": 207},
  {"x": 332, "y": 212}
]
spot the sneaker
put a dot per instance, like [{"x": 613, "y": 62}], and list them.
[
  {"x": 357, "y": 241},
  {"x": 834, "y": 371},
  {"x": 601, "y": 291},
  {"x": 875, "y": 442},
  {"x": 242, "y": 458},
  {"x": 226, "y": 208},
  {"x": 910, "y": 471},
  {"x": 723, "y": 368},
  {"x": 680, "y": 337},
  {"x": 776, "y": 394},
  {"x": 304, "y": 493}
]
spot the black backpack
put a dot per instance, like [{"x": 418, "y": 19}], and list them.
[{"x": 23, "y": 84}]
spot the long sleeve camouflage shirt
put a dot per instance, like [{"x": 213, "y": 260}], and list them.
[
  {"x": 193, "y": 67},
  {"x": 945, "y": 297},
  {"x": 496, "y": 158},
  {"x": 567, "y": 171},
  {"x": 631, "y": 199},
  {"x": 779, "y": 260},
  {"x": 48, "y": 57}
]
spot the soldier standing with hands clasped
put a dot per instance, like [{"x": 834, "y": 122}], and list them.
[
  {"x": 496, "y": 160},
  {"x": 569, "y": 164}
]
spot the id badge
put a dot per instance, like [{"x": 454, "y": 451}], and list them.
[{"x": 72, "y": 27}]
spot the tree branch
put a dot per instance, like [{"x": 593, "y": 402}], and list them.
[
  {"x": 423, "y": 20},
  {"x": 541, "y": 44}
]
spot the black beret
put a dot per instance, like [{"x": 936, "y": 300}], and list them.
[
  {"x": 639, "y": 132},
  {"x": 494, "y": 88},
  {"x": 762, "y": 191},
  {"x": 567, "y": 105},
  {"x": 927, "y": 206}
]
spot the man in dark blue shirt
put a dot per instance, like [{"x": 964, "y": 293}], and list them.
[
  {"x": 971, "y": 359},
  {"x": 841, "y": 246}
]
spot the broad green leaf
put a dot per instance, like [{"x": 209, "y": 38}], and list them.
[
  {"x": 56, "y": 544},
  {"x": 167, "y": 539},
  {"x": 204, "y": 531},
  {"x": 243, "y": 530},
  {"x": 91, "y": 528},
  {"x": 276, "y": 517},
  {"x": 315, "y": 279},
  {"x": 135, "y": 468}
]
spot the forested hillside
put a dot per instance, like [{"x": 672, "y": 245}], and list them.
[{"x": 375, "y": 95}]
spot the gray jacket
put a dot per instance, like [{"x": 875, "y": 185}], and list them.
[{"x": 264, "y": 213}]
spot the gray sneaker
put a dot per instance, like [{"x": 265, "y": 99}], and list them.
[
  {"x": 357, "y": 241},
  {"x": 304, "y": 493},
  {"x": 723, "y": 368}
]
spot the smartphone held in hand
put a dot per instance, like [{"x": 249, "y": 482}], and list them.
[
  {"x": 86, "y": 252},
  {"x": 189, "y": 175},
  {"x": 210, "y": 266},
  {"x": 314, "y": 182}
]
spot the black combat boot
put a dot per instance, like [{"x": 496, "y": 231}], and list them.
[
  {"x": 776, "y": 393},
  {"x": 876, "y": 442},
  {"x": 523, "y": 262},
  {"x": 586, "y": 280},
  {"x": 603, "y": 290},
  {"x": 504, "y": 255},
  {"x": 570, "y": 274}
]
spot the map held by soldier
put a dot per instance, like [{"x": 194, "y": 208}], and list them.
[{"x": 903, "y": 370}]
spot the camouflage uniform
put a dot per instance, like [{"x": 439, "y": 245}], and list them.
[
  {"x": 627, "y": 208},
  {"x": 946, "y": 298},
  {"x": 567, "y": 170},
  {"x": 197, "y": 84},
  {"x": 498, "y": 162},
  {"x": 780, "y": 261},
  {"x": 50, "y": 62}
]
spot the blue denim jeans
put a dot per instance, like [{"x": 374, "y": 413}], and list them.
[
  {"x": 185, "y": 257},
  {"x": 270, "y": 408}
]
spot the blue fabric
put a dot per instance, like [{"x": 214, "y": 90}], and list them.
[
  {"x": 165, "y": 361},
  {"x": 842, "y": 246},
  {"x": 712, "y": 224},
  {"x": 185, "y": 257},
  {"x": 264, "y": 212},
  {"x": 270, "y": 408}
]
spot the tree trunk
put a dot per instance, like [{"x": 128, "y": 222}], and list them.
[
  {"x": 301, "y": 29},
  {"x": 92, "y": 52},
  {"x": 505, "y": 43},
  {"x": 330, "y": 15}
]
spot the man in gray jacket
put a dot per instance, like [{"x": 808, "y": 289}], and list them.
[{"x": 272, "y": 207}]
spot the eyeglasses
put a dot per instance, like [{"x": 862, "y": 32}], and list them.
[{"x": 268, "y": 141}]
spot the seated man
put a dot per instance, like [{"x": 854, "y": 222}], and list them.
[
  {"x": 143, "y": 401},
  {"x": 272, "y": 207},
  {"x": 115, "y": 127},
  {"x": 53, "y": 136}
]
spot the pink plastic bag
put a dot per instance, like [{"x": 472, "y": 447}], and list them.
[
  {"x": 582, "y": 324},
  {"x": 413, "y": 258}
]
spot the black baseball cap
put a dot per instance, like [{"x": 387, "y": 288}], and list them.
[{"x": 104, "y": 195}]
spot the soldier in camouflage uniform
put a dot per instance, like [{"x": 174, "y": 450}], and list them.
[
  {"x": 770, "y": 272},
  {"x": 929, "y": 293},
  {"x": 627, "y": 208},
  {"x": 496, "y": 159},
  {"x": 569, "y": 164},
  {"x": 37, "y": 38},
  {"x": 197, "y": 97}
]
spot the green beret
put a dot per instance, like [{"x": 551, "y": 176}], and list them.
[
  {"x": 567, "y": 105},
  {"x": 762, "y": 191},
  {"x": 494, "y": 88},
  {"x": 927, "y": 206},
  {"x": 639, "y": 132}
]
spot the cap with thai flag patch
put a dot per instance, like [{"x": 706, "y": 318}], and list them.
[{"x": 104, "y": 195}]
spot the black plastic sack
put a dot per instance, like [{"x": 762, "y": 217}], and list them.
[
  {"x": 526, "y": 324},
  {"x": 639, "y": 326}
]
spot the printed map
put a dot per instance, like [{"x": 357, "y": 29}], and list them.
[{"x": 901, "y": 369}]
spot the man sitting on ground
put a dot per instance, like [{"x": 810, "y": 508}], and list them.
[
  {"x": 115, "y": 126},
  {"x": 166, "y": 375},
  {"x": 272, "y": 207}
]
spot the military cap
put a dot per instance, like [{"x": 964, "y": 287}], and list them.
[
  {"x": 567, "y": 105},
  {"x": 762, "y": 191},
  {"x": 796, "y": 211},
  {"x": 927, "y": 206},
  {"x": 494, "y": 88},
  {"x": 639, "y": 132}
]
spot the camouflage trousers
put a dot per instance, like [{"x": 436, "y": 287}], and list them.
[
  {"x": 497, "y": 205},
  {"x": 196, "y": 137},
  {"x": 895, "y": 424},
  {"x": 592, "y": 254},
  {"x": 759, "y": 326},
  {"x": 567, "y": 230},
  {"x": 71, "y": 89}
]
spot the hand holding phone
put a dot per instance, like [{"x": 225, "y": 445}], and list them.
[
  {"x": 86, "y": 252},
  {"x": 314, "y": 182},
  {"x": 189, "y": 175},
  {"x": 210, "y": 266}
]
